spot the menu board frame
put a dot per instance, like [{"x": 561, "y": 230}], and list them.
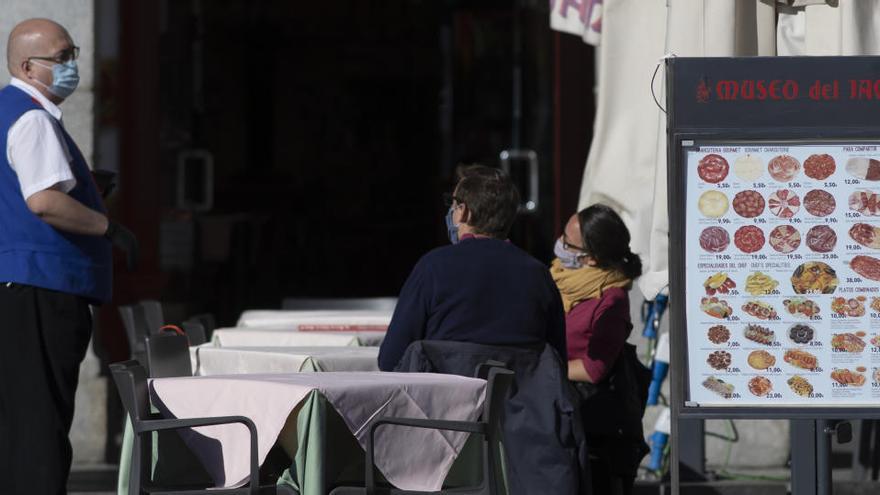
[
  {"x": 687, "y": 142},
  {"x": 760, "y": 100}
]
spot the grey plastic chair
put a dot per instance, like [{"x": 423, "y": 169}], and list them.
[
  {"x": 135, "y": 330},
  {"x": 489, "y": 427},
  {"x": 153, "y": 317},
  {"x": 168, "y": 355},
  {"x": 131, "y": 381},
  {"x": 342, "y": 303},
  {"x": 195, "y": 331},
  {"x": 209, "y": 323}
]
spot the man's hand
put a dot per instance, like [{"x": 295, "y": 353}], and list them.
[
  {"x": 69, "y": 215},
  {"x": 105, "y": 180},
  {"x": 125, "y": 240}
]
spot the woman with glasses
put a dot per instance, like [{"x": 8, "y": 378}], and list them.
[{"x": 594, "y": 270}]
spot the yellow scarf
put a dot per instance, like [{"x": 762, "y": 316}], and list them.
[{"x": 587, "y": 282}]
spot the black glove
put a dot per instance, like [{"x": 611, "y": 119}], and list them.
[
  {"x": 125, "y": 240},
  {"x": 105, "y": 180}
]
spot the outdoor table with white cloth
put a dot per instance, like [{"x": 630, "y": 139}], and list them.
[
  {"x": 316, "y": 319},
  {"x": 292, "y": 409},
  {"x": 208, "y": 359},
  {"x": 281, "y": 336}
]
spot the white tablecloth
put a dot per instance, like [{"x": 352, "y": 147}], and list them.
[
  {"x": 336, "y": 320},
  {"x": 284, "y": 337},
  {"x": 410, "y": 458},
  {"x": 210, "y": 360}
]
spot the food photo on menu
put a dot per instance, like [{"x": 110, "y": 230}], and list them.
[{"x": 782, "y": 255}]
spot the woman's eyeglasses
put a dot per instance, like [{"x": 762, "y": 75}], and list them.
[{"x": 572, "y": 247}]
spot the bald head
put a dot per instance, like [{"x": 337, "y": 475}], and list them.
[{"x": 34, "y": 38}]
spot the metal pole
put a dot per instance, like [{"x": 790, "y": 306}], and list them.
[
  {"x": 803, "y": 457},
  {"x": 676, "y": 389},
  {"x": 674, "y": 468},
  {"x": 823, "y": 457},
  {"x": 692, "y": 449}
]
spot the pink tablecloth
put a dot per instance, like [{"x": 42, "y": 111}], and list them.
[{"x": 410, "y": 458}]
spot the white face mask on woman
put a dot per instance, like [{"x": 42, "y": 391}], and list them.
[{"x": 569, "y": 260}]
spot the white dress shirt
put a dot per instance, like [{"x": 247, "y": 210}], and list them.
[{"x": 36, "y": 149}]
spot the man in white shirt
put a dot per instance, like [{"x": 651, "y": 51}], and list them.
[{"x": 55, "y": 259}]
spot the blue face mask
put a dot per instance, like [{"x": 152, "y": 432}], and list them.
[
  {"x": 451, "y": 228},
  {"x": 569, "y": 260},
  {"x": 65, "y": 78}
]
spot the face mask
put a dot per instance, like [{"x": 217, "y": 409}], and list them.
[
  {"x": 65, "y": 78},
  {"x": 451, "y": 228},
  {"x": 569, "y": 260}
]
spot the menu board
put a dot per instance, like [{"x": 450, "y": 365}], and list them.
[{"x": 782, "y": 274}]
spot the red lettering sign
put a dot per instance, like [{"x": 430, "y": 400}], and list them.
[
  {"x": 824, "y": 91},
  {"x": 784, "y": 90}
]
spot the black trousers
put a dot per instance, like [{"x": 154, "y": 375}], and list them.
[
  {"x": 43, "y": 338},
  {"x": 611, "y": 474},
  {"x": 606, "y": 482}
]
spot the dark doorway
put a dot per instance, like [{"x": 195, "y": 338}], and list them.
[{"x": 333, "y": 132}]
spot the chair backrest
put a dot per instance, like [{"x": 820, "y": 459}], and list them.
[
  {"x": 134, "y": 330},
  {"x": 498, "y": 383},
  {"x": 540, "y": 421},
  {"x": 209, "y": 323},
  {"x": 195, "y": 331},
  {"x": 168, "y": 355},
  {"x": 342, "y": 303},
  {"x": 160, "y": 457},
  {"x": 499, "y": 379},
  {"x": 153, "y": 318},
  {"x": 131, "y": 382}
]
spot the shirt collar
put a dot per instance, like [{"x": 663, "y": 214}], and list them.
[
  {"x": 465, "y": 237},
  {"x": 36, "y": 95}
]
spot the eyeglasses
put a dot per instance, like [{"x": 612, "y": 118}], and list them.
[
  {"x": 63, "y": 56},
  {"x": 572, "y": 247},
  {"x": 449, "y": 199}
]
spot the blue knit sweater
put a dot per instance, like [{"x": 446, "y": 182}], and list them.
[{"x": 481, "y": 290}]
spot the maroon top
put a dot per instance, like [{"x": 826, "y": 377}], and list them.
[{"x": 596, "y": 330}]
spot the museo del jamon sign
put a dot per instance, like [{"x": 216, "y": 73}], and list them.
[
  {"x": 768, "y": 91},
  {"x": 788, "y": 89}
]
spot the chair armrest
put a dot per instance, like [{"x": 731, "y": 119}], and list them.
[
  {"x": 434, "y": 424},
  {"x": 174, "y": 424},
  {"x": 151, "y": 425}
]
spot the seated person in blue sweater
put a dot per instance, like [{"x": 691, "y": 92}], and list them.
[{"x": 481, "y": 289}]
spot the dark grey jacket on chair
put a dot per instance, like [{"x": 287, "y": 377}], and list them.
[{"x": 542, "y": 434}]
